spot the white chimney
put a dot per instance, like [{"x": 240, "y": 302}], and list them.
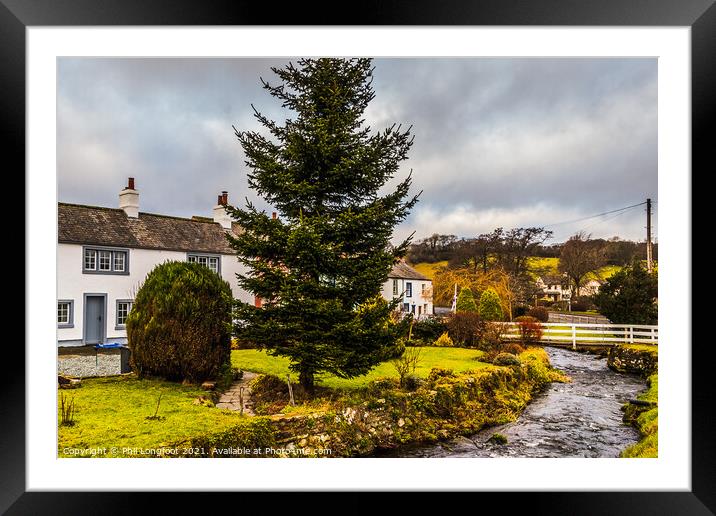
[
  {"x": 220, "y": 214},
  {"x": 129, "y": 200}
]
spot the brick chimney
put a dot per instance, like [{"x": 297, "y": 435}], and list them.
[
  {"x": 220, "y": 214},
  {"x": 129, "y": 199}
]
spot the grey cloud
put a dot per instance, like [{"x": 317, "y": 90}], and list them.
[{"x": 497, "y": 141}]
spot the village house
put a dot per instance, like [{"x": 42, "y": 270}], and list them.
[
  {"x": 413, "y": 289},
  {"x": 557, "y": 288},
  {"x": 104, "y": 255}
]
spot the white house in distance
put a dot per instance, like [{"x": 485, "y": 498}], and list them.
[
  {"x": 557, "y": 288},
  {"x": 104, "y": 255},
  {"x": 414, "y": 289}
]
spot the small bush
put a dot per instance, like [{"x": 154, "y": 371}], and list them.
[
  {"x": 530, "y": 329},
  {"x": 180, "y": 323},
  {"x": 67, "y": 411},
  {"x": 545, "y": 303},
  {"x": 466, "y": 301},
  {"x": 490, "y": 308},
  {"x": 492, "y": 336},
  {"x": 506, "y": 359},
  {"x": 512, "y": 347},
  {"x": 429, "y": 329},
  {"x": 520, "y": 310},
  {"x": 466, "y": 329},
  {"x": 406, "y": 364},
  {"x": 438, "y": 372},
  {"x": 540, "y": 313},
  {"x": 444, "y": 341},
  {"x": 581, "y": 304},
  {"x": 412, "y": 382}
]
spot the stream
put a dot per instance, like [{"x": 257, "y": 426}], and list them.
[{"x": 578, "y": 419}]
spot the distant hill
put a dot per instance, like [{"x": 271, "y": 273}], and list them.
[{"x": 536, "y": 264}]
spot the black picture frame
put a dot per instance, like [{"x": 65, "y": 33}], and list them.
[{"x": 17, "y": 15}]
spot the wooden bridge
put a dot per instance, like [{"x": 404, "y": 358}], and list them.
[{"x": 564, "y": 334}]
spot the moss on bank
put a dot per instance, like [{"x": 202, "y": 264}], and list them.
[{"x": 645, "y": 417}]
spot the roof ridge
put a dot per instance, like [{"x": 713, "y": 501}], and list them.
[{"x": 190, "y": 219}]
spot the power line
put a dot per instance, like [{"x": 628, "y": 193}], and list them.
[{"x": 594, "y": 216}]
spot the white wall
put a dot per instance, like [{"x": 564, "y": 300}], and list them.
[
  {"x": 72, "y": 284},
  {"x": 417, "y": 296}
]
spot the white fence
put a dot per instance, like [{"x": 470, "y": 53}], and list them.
[{"x": 591, "y": 334}]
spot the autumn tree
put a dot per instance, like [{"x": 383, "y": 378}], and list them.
[
  {"x": 580, "y": 256},
  {"x": 320, "y": 265}
]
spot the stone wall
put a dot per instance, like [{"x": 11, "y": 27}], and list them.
[{"x": 633, "y": 360}]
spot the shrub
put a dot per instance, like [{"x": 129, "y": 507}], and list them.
[
  {"x": 506, "y": 359},
  {"x": 580, "y": 304},
  {"x": 407, "y": 363},
  {"x": 466, "y": 329},
  {"x": 490, "y": 309},
  {"x": 545, "y": 303},
  {"x": 492, "y": 336},
  {"x": 428, "y": 329},
  {"x": 497, "y": 438},
  {"x": 530, "y": 329},
  {"x": 520, "y": 310},
  {"x": 411, "y": 382},
  {"x": 180, "y": 323},
  {"x": 444, "y": 341},
  {"x": 540, "y": 313},
  {"x": 512, "y": 347},
  {"x": 465, "y": 301}
]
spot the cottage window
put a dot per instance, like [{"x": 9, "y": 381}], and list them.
[
  {"x": 64, "y": 313},
  {"x": 408, "y": 289},
  {"x": 395, "y": 287},
  {"x": 206, "y": 260},
  {"x": 124, "y": 306},
  {"x": 105, "y": 261}
]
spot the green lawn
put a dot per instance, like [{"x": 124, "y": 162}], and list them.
[
  {"x": 110, "y": 412},
  {"x": 648, "y": 425},
  {"x": 429, "y": 269},
  {"x": 457, "y": 359}
]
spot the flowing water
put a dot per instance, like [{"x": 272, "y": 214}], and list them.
[{"x": 578, "y": 419}]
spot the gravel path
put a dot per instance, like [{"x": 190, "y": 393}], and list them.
[{"x": 85, "y": 365}]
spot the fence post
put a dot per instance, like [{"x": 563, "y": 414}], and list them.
[
  {"x": 652, "y": 335},
  {"x": 631, "y": 334},
  {"x": 574, "y": 336}
]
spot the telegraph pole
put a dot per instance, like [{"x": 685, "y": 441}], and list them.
[{"x": 649, "y": 257}]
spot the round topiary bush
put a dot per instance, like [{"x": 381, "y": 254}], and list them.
[{"x": 180, "y": 324}]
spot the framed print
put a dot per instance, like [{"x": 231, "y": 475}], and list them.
[{"x": 415, "y": 251}]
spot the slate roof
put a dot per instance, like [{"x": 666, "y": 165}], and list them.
[
  {"x": 404, "y": 271},
  {"x": 93, "y": 225}
]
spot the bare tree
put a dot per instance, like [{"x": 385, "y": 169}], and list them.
[{"x": 580, "y": 256}]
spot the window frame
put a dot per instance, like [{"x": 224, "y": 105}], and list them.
[
  {"x": 408, "y": 289},
  {"x": 113, "y": 251},
  {"x": 70, "y": 313},
  {"x": 396, "y": 292},
  {"x": 117, "y": 324},
  {"x": 206, "y": 256}
]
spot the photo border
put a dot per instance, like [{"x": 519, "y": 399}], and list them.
[{"x": 700, "y": 15}]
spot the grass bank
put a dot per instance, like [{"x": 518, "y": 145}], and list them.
[
  {"x": 645, "y": 417},
  {"x": 455, "y": 359},
  {"x": 111, "y": 414}
]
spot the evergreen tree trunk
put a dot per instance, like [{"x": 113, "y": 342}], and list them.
[{"x": 307, "y": 381}]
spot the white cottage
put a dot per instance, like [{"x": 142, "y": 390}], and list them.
[
  {"x": 104, "y": 255},
  {"x": 414, "y": 290}
]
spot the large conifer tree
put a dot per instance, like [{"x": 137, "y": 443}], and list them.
[{"x": 320, "y": 265}]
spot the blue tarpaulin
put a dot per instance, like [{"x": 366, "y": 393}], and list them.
[{"x": 109, "y": 345}]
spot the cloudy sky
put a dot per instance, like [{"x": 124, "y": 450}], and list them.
[{"x": 498, "y": 142}]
